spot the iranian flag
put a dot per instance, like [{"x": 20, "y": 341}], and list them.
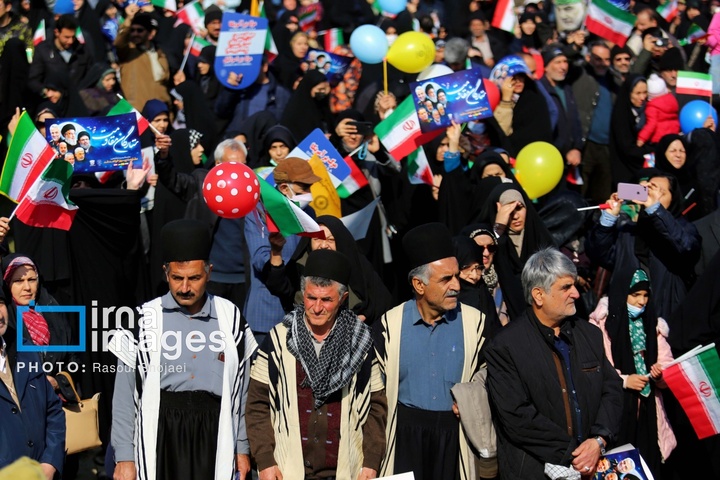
[
  {"x": 693, "y": 83},
  {"x": 694, "y": 34},
  {"x": 28, "y": 156},
  {"x": 197, "y": 45},
  {"x": 284, "y": 216},
  {"x": 123, "y": 106},
  {"x": 333, "y": 38},
  {"x": 668, "y": 10},
  {"x": 46, "y": 204},
  {"x": 400, "y": 132},
  {"x": 166, "y": 4},
  {"x": 609, "y": 22},
  {"x": 79, "y": 35},
  {"x": 694, "y": 379},
  {"x": 355, "y": 181},
  {"x": 39, "y": 35},
  {"x": 191, "y": 14},
  {"x": 504, "y": 17},
  {"x": 271, "y": 50},
  {"x": 418, "y": 168},
  {"x": 309, "y": 16}
]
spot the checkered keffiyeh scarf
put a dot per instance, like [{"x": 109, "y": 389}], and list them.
[
  {"x": 341, "y": 355},
  {"x": 195, "y": 138}
]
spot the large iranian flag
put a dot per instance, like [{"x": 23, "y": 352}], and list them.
[
  {"x": 123, "y": 106},
  {"x": 46, "y": 204},
  {"x": 609, "y": 22},
  {"x": 192, "y": 14},
  {"x": 400, "y": 132},
  {"x": 284, "y": 216},
  {"x": 28, "y": 156},
  {"x": 695, "y": 380},
  {"x": 694, "y": 83}
]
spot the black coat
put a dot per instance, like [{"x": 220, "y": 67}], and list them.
[
  {"x": 47, "y": 59},
  {"x": 671, "y": 247},
  {"x": 568, "y": 131},
  {"x": 529, "y": 401}
]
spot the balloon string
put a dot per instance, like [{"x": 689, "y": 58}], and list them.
[{"x": 385, "y": 79}]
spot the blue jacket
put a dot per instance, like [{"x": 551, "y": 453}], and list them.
[{"x": 38, "y": 431}]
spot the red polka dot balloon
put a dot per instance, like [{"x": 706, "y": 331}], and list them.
[{"x": 231, "y": 190}]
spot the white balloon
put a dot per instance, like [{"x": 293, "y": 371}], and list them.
[{"x": 434, "y": 70}]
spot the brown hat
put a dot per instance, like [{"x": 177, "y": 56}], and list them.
[{"x": 293, "y": 169}]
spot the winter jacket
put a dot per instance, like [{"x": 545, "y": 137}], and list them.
[
  {"x": 530, "y": 399},
  {"x": 661, "y": 118},
  {"x": 47, "y": 59}
]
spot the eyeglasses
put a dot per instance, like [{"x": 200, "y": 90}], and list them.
[{"x": 492, "y": 248}]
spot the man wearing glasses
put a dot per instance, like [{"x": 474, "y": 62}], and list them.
[{"x": 144, "y": 69}]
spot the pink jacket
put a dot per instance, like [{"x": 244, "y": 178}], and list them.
[
  {"x": 661, "y": 118},
  {"x": 713, "y": 39},
  {"x": 666, "y": 437}
]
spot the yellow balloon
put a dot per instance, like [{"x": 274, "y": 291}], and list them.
[
  {"x": 412, "y": 52},
  {"x": 538, "y": 168}
]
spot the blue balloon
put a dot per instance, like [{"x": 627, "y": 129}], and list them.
[
  {"x": 694, "y": 114},
  {"x": 392, "y": 6},
  {"x": 369, "y": 44}
]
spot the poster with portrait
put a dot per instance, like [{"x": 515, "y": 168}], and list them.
[
  {"x": 458, "y": 96},
  {"x": 96, "y": 144},
  {"x": 240, "y": 49},
  {"x": 621, "y": 463},
  {"x": 331, "y": 65}
]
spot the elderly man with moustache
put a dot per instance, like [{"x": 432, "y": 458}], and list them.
[
  {"x": 557, "y": 399},
  {"x": 425, "y": 346},
  {"x": 316, "y": 404},
  {"x": 182, "y": 375}
]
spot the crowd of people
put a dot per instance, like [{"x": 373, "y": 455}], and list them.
[{"x": 472, "y": 332}]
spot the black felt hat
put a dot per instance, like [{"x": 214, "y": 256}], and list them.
[
  {"x": 185, "y": 240},
  {"x": 427, "y": 243},
  {"x": 328, "y": 264}
]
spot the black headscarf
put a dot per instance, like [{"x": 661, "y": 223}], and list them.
[
  {"x": 639, "y": 420},
  {"x": 89, "y": 22},
  {"x": 508, "y": 263},
  {"x": 685, "y": 174},
  {"x": 276, "y": 133},
  {"x": 626, "y": 122},
  {"x": 286, "y": 67},
  {"x": 198, "y": 116},
  {"x": 303, "y": 113},
  {"x": 531, "y": 118},
  {"x": 254, "y": 128}
]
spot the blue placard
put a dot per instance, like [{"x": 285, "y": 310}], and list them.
[
  {"x": 459, "y": 96},
  {"x": 332, "y": 65},
  {"x": 240, "y": 49},
  {"x": 317, "y": 144},
  {"x": 96, "y": 144}
]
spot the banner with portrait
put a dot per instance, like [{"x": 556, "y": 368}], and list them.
[
  {"x": 331, "y": 65},
  {"x": 96, "y": 144},
  {"x": 458, "y": 96}
]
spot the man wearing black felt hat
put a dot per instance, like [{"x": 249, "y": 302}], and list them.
[
  {"x": 328, "y": 418},
  {"x": 424, "y": 347},
  {"x": 187, "y": 365}
]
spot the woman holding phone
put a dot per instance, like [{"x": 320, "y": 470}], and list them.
[{"x": 658, "y": 239}]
